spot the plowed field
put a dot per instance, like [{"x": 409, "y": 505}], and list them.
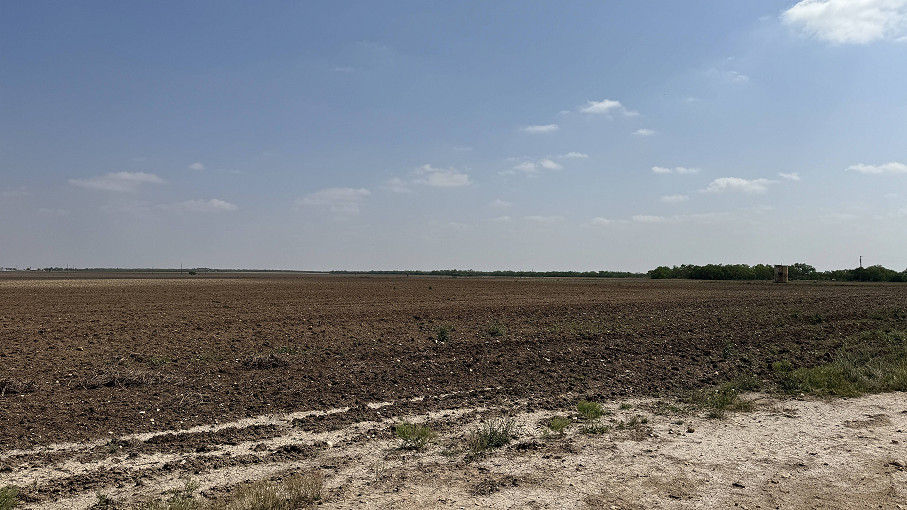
[{"x": 87, "y": 360}]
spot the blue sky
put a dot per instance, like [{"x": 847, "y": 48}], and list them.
[{"x": 426, "y": 135}]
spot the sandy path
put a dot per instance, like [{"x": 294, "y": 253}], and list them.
[{"x": 846, "y": 453}]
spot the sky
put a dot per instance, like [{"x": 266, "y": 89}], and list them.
[{"x": 581, "y": 135}]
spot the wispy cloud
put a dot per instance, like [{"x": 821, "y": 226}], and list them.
[
  {"x": 849, "y": 21},
  {"x": 462, "y": 149},
  {"x": 441, "y": 177},
  {"x": 674, "y": 199},
  {"x": 607, "y": 107},
  {"x": 500, "y": 204},
  {"x": 343, "y": 69},
  {"x": 574, "y": 155},
  {"x": 534, "y": 167},
  {"x": 736, "y": 77},
  {"x": 118, "y": 181},
  {"x": 196, "y": 166},
  {"x": 337, "y": 200},
  {"x": 602, "y": 222},
  {"x": 644, "y": 132},
  {"x": 213, "y": 205},
  {"x": 644, "y": 218},
  {"x": 397, "y": 185},
  {"x": 736, "y": 184},
  {"x": 793, "y": 176},
  {"x": 540, "y": 129},
  {"x": 502, "y": 219},
  {"x": 14, "y": 193},
  {"x": 887, "y": 168},
  {"x": 681, "y": 170},
  {"x": 545, "y": 220}
]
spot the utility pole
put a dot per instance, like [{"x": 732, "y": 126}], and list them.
[{"x": 861, "y": 262}]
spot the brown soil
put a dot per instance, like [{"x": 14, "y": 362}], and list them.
[{"x": 94, "y": 367}]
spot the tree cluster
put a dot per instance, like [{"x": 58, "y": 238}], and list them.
[{"x": 798, "y": 271}]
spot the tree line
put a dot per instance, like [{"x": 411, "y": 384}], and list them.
[{"x": 798, "y": 271}]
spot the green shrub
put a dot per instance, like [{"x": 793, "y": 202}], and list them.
[
  {"x": 443, "y": 334},
  {"x": 590, "y": 410},
  {"x": 413, "y": 436},
  {"x": 9, "y": 497},
  {"x": 494, "y": 433},
  {"x": 558, "y": 424}
]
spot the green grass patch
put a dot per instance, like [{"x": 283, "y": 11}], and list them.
[
  {"x": 9, "y": 497},
  {"x": 558, "y": 425},
  {"x": 870, "y": 362},
  {"x": 413, "y": 436},
  {"x": 726, "y": 397},
  {"x": 589, "y": 410}
]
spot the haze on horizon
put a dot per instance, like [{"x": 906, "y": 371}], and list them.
[{"x": 430, "y": 135}]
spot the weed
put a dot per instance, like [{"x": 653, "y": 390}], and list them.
[
  {"x": 413, "y": 436},
  {"x": 725, "y": 398},
  {"x": 9, "y": 497},
  {"x": 104, "y": 502},
  {"x": 263, "y": 362},
  {"x": 443, "y": 334},
  {"x": 494, "y": 433},
  {"x": 495, "y": 330},
  {"x": 180, "y": 499},
  {"x": 590, "y": 410},
  {"x": 594, "y": 427},
  {"x": 624, "y": 406},
  {"x": 816, "y": 318},
  {"x": 558, "y": 425}
]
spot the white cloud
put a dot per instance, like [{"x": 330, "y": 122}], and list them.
[
  {"x": 793, "y": 176},
  {"x": 601, "y": 222},
  {"x": 499, "y": 204},
  {"x": 849, "y": 21},
  {"x": 534, "y": 167},
  {"x": 503, "y": 219},
  {"x": 397, "y": 185},
  {"x": 547, "y": 128},
  {"x": 574, "y": 155},
  {"x": 735, "y": 77},
  {"x": 644, "y": 132},
  {"x": 196, "y": 166},
  {"x": 643, "y": 218},
  {"x": 547, "y": 164},
  {"x": 674, "y": 199},
  {"x": 344, "y": 69},
  {"x": 212, "y": 205},
  {"x": 887, "y": 168},
  {"x": 338, "y": 200},
  {"x": 545, "y": 220},
  {"x": 607, "y": 107},
  {"x": 118, "y": 181},
  {"x": 681, "y": 170},
  {"x": 441, "y": 177},
  {"x": 737, "y": 184},
  {"x": 462, "y": 149}
]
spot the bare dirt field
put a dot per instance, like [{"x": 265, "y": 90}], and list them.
[{"x": 129, "y": 387}]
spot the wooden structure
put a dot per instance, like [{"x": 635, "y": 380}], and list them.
[{"x": 780, "y": 274}]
